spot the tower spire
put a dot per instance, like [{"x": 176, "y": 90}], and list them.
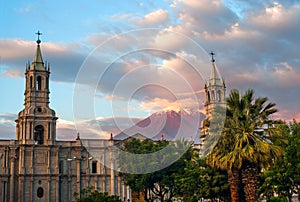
[
  {"x": 37, "y": 62},
  {"x": 214, "y": 79}
]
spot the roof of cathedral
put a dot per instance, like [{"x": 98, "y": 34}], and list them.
[{"x": 37, "y": 63}]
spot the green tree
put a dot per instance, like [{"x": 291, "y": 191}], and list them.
[
  {"x": 246, "y": 144},
  {"x": 93, "y": 195},
  {"x": 284, "y": 177},
  {"x": 161, "y": 183},
  {"x": 200, "y": 180}
]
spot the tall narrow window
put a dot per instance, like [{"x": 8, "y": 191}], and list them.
[
  {"x": 30, "y": 129},
  {"x": 49, "y": 131},
  {"x": 219, "y": 96},
  {"x": 5, "y": 160},
  {"x": 94, "y": 167},
  {"x": 61, "y": 167},
  {"x": 39, "y": 83},
  {"x": 30, "y": 82},
  {"x": 212, "y": 95},
  {"x": 208, "y": 96}
]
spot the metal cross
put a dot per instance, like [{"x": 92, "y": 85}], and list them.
[
  {"x": 212, "y": 56},
  {"x": 38, "y": 33}
]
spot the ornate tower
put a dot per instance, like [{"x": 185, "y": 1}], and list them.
[
  {"x": 36, "y": 123},
  {"x": 214, "y": 89},
  {"x": 215, "y": 97}
]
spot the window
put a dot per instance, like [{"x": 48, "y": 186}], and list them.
[
  {"x": 30, "y": 82},
  {"x": 61, "y": 166},
  {"x": 212, "y": 95},
  {"x": 94, "y": 167},
  {"x": 39, "y": 83},
  {"x": 208, "y": 96},
  {"x": 40, "y": 192},
  {"x": 39, "y": 109},
  {"x": 39, "y": 134},
  {"x": 219, "y": 96}
]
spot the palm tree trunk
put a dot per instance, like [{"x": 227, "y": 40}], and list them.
[
  {"x": 234, "y": 182},
  {"x": 250, "y": 180}
]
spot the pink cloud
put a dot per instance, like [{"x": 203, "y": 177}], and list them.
[
  {"x": 160, "y": 104},
  {"x": 14, "y": 73},
  {"x": 234, "y": 33},
  {"x": 208, "y": 5},
  {"x": 157, "y": 17},
  {"x": 16, "y": 48},
  {"x": 276, "y": 16}
]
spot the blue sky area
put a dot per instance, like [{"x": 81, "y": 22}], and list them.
[{"x": 129, "y": 59}]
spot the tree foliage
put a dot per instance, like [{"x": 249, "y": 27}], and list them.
[
  {"x": 246, "y": 143},
  {"x": 161, "y": 183},
  {"x": 93, "y": 195},
  {"x": 199, "y": 180},
  {"x": 189, "y": 178},
  {"x": 284, "y": 177}
]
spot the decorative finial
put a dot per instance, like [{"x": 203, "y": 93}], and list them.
[
  {"x": 38, "y": 33},
  {"x": 111, "y": 137},
  {"x": 212, "y": 56}
]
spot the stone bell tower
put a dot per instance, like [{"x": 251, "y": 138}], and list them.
[
  {"x": 214, "y": 90},
  {"x": 36, "y": 123},
  {"x": 215, "y": 98}
]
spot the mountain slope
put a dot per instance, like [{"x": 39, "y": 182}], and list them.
[{"x": 170, "y": 125}]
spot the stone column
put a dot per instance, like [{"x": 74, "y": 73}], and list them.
[
  {"x": 112, "y": 173},
  {"x": 78, "y": 176},
  {"x": 128, "y": 193},
  {"x": 21, "y": 189},
  {"x": 12, "y": 175}
]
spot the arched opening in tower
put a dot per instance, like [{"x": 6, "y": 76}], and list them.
[
  {"x": 39, "y": 83},
  {"x": 39, "y": 134}
]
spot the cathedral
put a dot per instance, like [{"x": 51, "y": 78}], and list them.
[{"x": 37, "y": 167}]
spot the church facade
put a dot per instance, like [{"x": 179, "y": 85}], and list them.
[{"x": 37, "y": 167}]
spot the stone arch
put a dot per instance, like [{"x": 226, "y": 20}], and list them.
[{"x": 39, "y": 134}]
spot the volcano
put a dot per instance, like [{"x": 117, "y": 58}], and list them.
[{"x": 168, "y": 125}]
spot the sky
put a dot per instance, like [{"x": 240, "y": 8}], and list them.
[{"x": 116, "y": 62}]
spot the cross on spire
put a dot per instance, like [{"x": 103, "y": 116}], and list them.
[
  {"x": 212, "y": 56},
  {"x": 38, "y": 33}
]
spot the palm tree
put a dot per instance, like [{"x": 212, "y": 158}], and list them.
[{"x": 246, "y": 143}]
